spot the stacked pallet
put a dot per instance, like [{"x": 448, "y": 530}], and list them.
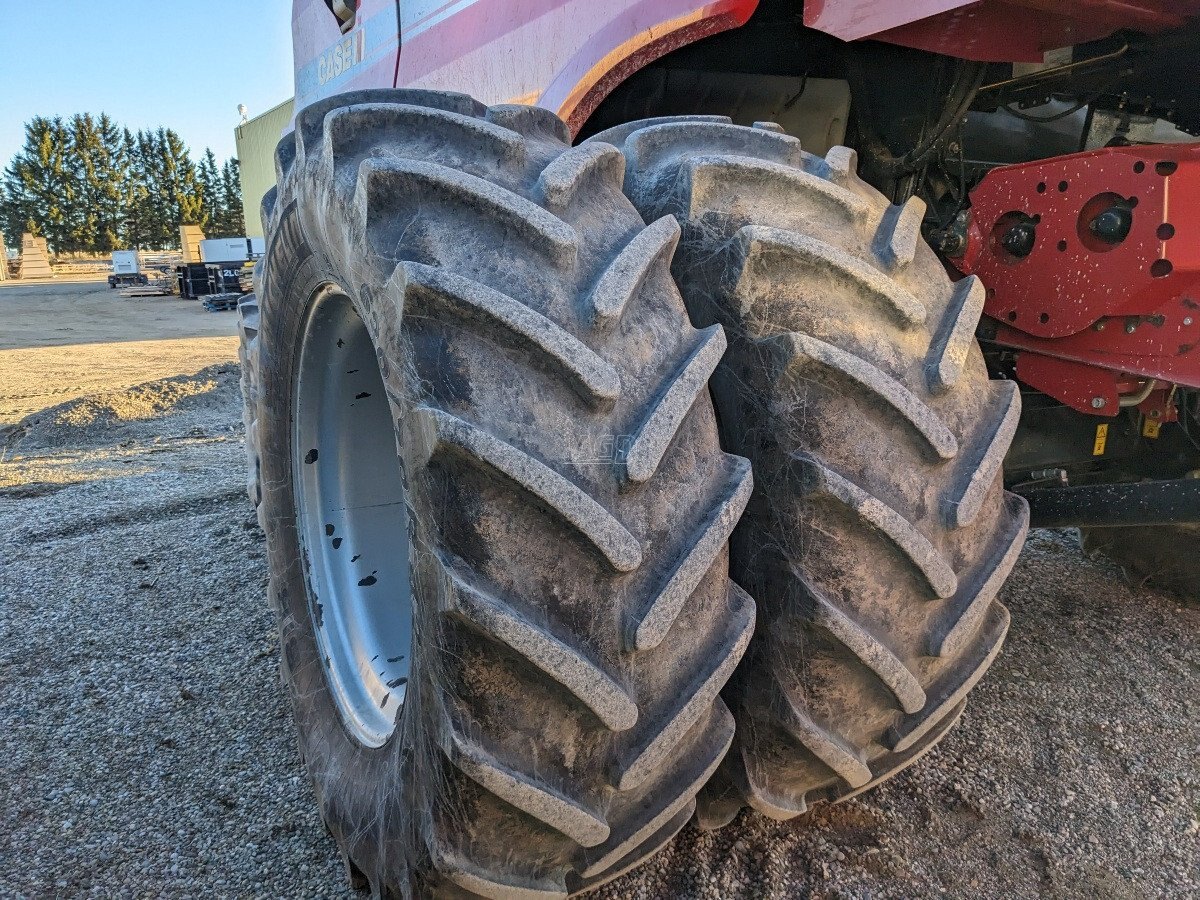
[
  {"x": 160, "y": 288},
  {"x": 221, "y": 302},
  {"x": 35, "y": 258}
]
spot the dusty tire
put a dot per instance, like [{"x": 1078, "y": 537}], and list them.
[
  {"x": 572, "y": 616},
  {"x": 248, "y": 361},
  {"x": 879, "y": 532},
  {"x": 1166, "y": 556}
]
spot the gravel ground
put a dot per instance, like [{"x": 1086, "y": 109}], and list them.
[
  {"x": 148, "y": 750},
  {"x": 61, "y": 340}
]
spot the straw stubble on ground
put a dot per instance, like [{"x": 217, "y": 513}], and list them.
[{"x": 148, "y": 747}]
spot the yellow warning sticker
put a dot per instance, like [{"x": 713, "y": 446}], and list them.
[
  {"x": 1151, "y": 427},
  {"x": 1101, "y": 440}
]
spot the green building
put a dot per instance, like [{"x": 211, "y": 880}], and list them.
[{"x": 256, "y": 140}]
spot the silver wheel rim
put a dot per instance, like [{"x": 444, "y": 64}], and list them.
[{"x": 352, "y": 519}]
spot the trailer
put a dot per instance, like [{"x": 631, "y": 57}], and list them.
[{"x": 127, "y": 270}]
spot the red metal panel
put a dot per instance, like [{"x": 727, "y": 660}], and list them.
[
  {"x": 1070, "y": 279},
  {"x": 568, "y": 54},
  {"x": 565, "y": 55},
  {"x": 636, "y": 38},
  {"x": 851, "y": 20},
  {"x": 992, "y": 30},
  {"x": 1094, "y": 318},
  {"x": 1170, "y": 352},
  {"x": 1082, "y": 387},
  {"x": 998, "y": 32},
  {"x": 1093, "y": 390}
]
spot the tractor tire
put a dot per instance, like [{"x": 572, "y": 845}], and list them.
[
  {"x": 1166, "y": 556},
  {"x": 469, "y": 364},
  {"x": 879, "y": 532},
  {"x": 248, "y": 362}
]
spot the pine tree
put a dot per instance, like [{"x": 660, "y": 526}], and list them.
[
  {"x": 88, "y": 185},
  {"x": 160, "y": 179},
  {"x": 135, "y": 193},
  {"x": 174, "y": 188},
  {"x": 40, "y": 185},
  {"x": 231, "y": 221},
  {"x": 209, "y": 180},
  {"x": 187, "y": 200},
  {"x": 15, "y": 207},
  {"x": 111, "y": 175},
  {"x": 85, "y": 160},
  {"x": 6, "y": 235}
]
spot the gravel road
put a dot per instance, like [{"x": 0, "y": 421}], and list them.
[{"x": 147, "y": 749}]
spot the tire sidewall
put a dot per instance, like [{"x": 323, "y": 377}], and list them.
[{"x": 366, "y": 795}]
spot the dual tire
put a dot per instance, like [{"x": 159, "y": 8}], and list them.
[{"x": 502, "y": 527}]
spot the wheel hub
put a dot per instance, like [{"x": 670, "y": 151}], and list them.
[{"x": 352, "y": 519}]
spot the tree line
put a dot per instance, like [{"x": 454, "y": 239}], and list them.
[{"x": 88, "y": 185}]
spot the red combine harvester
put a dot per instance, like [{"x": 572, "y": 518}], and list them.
[{"x": 646, "y": 401}]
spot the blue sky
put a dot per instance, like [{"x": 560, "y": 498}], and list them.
[{"x": 184, "y": 64}]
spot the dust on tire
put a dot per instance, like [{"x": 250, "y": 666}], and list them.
[
  {"x": 879, "y": 532},
  {"x": 544, "y": 746}
]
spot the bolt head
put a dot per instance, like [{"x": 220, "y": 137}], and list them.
[
  {"x": 1019, "y": 240},
  {"x": 951, "y": 243},
  {"x": 1112, "y": 226},
  {"x": 1187, "y": 320},
  {"x": 1098, "y": 402}
]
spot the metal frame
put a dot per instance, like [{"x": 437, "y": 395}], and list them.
[
  {"x": 1111, "y": 505},
  {"x": 1094, "y": 319}
]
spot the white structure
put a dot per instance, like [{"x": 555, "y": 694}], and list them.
[
  {"x": 125, "y": 262},
  {"x": 221, "y": 250}
]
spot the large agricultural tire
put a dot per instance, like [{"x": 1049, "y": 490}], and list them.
[
  {"x": 459, "y": 318},
  {"x": 1166, "y": 556},
  {"x": 248, "y": 361},
  {"x": 879, "y": 532}
]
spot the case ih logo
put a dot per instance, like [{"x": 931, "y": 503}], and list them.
[{"x": 343, "y": 56}]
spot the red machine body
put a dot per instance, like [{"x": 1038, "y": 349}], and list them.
[
  {"x": 1084, "y": 314},
  {"x": 992, "y": 30},
  {"x": 1095, "y": 318},
  {"x": 564, "y": 55},
  {"x": 567, "y": 55}
]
